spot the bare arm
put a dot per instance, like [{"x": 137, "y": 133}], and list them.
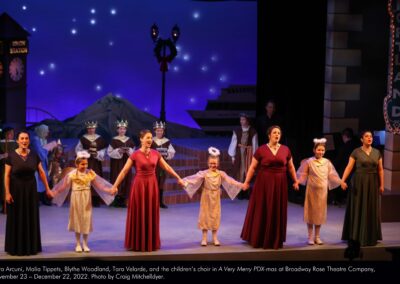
[
  {"x": 43, "y": 178},
  {"x": 122, "y": 174},
  {"x": 250, "y": 173},
  {"x": 292, "y": 172},
  {"x": 380, "y": 173},
  {"x": 347, "y": 172},
  {"x": 7, "y": 174},
  {"x": 170, "y": 170}
]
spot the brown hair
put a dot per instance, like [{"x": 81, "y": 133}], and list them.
[
  {"x": 143, "y": 132},
  {"x": 319, "y": 144},
  {"x": 364, "y": 132},
  {"x": 79, "y": 160},
  {"x": 272, "y": 127},
  {"x": 23, "y": 131}
]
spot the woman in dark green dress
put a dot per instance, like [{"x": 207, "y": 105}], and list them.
[
  {"x": 23, "y": 223},
  {"x": 362, "y": 222}
]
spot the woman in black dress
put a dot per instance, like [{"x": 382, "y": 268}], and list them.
[{"x": 23, "y": 224}]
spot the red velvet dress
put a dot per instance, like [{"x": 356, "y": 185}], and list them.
[
  {"x": 266, "y": 217},
  {"x": 143, "y": 215}
]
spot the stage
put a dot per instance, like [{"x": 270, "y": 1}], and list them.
[{"x": 180, "y": 238}]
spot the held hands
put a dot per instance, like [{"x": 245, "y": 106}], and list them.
[
  {"x": 296, "y": 185},
  {"x": 9, "y": 198},
  {"x": 114, "y": 190},
  {"x": 245, "y": 186},
  {"x": 181, "y": 182},
  {"x": 49, "y": 193},
  {"x": 343, "y": 185}
]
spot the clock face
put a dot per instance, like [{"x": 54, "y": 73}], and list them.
[{"x": 16, "y": 69}]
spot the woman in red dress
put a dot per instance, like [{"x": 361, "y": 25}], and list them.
[
  {"x": 143, "y": 214},
  {"x": 266, "y": 217}
]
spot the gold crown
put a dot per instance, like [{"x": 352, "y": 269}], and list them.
[
  {"x": 91, "y": 124},
  {"x": 121, "y": 123},
  {"x": 159, "y": 124}
]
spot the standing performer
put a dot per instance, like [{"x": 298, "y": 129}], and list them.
[
  {"x": 266, "y": 217},
  {"x": 57, "y": 163},
  {"x": 42, "y": 148},
  {"x": 210, "y": 182},
  {"x": 243, "y": 145},
  {"x": 79, "y": 181},
  {"x": 7, "y": 145},
  {"x": 23, "y": 221},
  {"x": 96, "y": 146},
  {"x": 362, "y": 221},
  {"x": 143, "y": 214},
  {"x": 164, "y": 147},
  {"x": 320, "y": 175},
  {"x": 119, "y": 150}
]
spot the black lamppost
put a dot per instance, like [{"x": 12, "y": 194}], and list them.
[{"x": 162, "y": 57}]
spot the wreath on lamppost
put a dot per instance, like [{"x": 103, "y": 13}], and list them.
[{"x": 173, "y": 52}]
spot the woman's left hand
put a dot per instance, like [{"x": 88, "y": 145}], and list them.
[
  {"x": 381, "y": 189},
  {"x": 50, "y": 194},
  {"x": 296, "y": 185}
]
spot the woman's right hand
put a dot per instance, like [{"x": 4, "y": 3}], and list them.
[
  {"x": 9, "y": 198},
  {"x": 114, "y": 190},
  {"x": 343, "y": 185},
  {"x": 246, "y": 186}
]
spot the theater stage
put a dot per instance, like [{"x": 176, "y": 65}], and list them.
[{"x": 180, "y": 238}]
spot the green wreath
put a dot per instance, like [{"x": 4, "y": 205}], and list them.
[{"x": 173, "y": 52}]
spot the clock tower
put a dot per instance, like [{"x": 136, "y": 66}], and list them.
[{"x": 13, "y": 55}]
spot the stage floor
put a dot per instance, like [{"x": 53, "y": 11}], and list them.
[{"x": 180, "y": 238}]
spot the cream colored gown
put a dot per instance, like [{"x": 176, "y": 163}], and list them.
[
  {"x": 210, "y": 202},
  {"x": 80, "y": 210},
  {"x": 319, "y": 175}
]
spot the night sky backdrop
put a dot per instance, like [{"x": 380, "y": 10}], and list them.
[{"x": 80, "y": 50}]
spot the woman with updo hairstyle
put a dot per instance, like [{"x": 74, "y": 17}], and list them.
[
  {"x": 362, "y": 222},
  {"x": 266, "y": 217},
  {"x": 143, "y": 214},
  {"x": 23, "y": 221}
]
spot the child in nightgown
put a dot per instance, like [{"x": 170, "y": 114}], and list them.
[
  {"x": 210, "y": 203},
  {"x": 320, "y": 175},
  {"x": 80, "y": 180}
]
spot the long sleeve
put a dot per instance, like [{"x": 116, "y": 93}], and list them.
[
  {"x": 302, "y": 172},
  {"x": 333, "y": 177},
  {"x": 171, "y": 152},
  {"x": 78, "y": 147},
  {"x": 231, "y": 186},
  {"x": 232, "y": 146},
  {"x": 114, "y": 153},
  {"x": 131, "y": 150},
  {"x": 103, "y": 188},
  {"x": 101, "y": 154},
  {"x": 254, "y": 143},
  {"x": 194, "y": 182},
  {"x": 61, "y": 190}
]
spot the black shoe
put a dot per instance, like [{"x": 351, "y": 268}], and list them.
[{"x": 162, "y": 205}]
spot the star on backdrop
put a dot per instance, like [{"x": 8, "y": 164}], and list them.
[{"x": 80, "y": 50}]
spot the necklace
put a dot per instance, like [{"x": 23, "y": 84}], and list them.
[
  {"x": 19, "y": 152},
  {"x": 146, "y": 152},
  {"x": 368, "y": 150},
  {"x": 274, "y": 147}
]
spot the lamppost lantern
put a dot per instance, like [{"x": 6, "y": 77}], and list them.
[
  {"x": 154, "y": 32},
  {"x": 175, "y": 33},
  {"x": 164, "y": 58}
]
